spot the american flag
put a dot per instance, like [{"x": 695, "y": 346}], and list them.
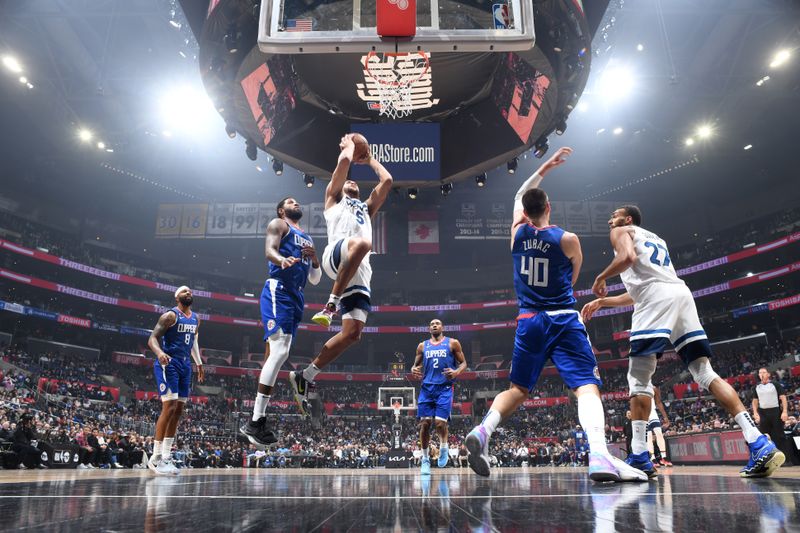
[{"x": 298, "y": 25}]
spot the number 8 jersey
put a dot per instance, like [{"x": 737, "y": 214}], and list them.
[
  {"x": 652, "y": 264},
  {"x": 542, "y": 273},
  {"x": 179, "y": 339}
]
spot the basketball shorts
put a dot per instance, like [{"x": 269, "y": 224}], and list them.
[
  {"x": 355, "y": 302},
  {"x": 174, "y": 380},
  {"x": 667, "y": 314},
  {"x": 281, "y": 309},
  {"x": 559, "y": 336},
  {"x": 435, "y": 401}
]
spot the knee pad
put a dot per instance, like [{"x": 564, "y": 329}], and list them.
[
  {"x": 702, "y": 372},
  {"x": 640, "y": 370},
  {"x": 279, "y": 344}
]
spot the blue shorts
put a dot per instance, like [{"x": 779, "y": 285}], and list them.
[
  {"x": 280, "y": 308},
  {"x": 435, "y": 401},
  {"x": 174, "y": 381},
  {"x": 556, "y": 335}
]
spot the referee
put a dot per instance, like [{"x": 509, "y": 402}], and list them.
[{"x": 769, "y": 409}]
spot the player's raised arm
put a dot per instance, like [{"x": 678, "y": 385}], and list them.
[
  {"x": 165, "y": 321},
  {"x": 416, "y": 370},
  {"x": 625, "y": 256},
  {"x": 276, "y": 230},
  {"x": 333, "y": 192},
  {"x": 533, "y": 182},
  {"x": 458, "y": 355},
  {"x": 571, "y": 246},
  {"x": 381, "y": 190},
  {"x": 198, "y": 361}
]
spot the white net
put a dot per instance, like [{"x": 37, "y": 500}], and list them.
[{"x": 394, "y": 75}]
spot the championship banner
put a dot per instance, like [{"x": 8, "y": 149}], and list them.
[
  {"x": 599, "y": 213},
  {"x": 410, "y": 152},
  {"x": 423, "y": 232},
  {"x": 577, "y": 217},
  {"x": 469, "y": 223}
]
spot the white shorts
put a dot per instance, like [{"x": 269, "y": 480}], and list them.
[
  {"x": 355, "y": 303},
  {"x": 667, "y": 313}
]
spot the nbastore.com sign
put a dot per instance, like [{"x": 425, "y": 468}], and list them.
[{"x": 410, "y": 152}]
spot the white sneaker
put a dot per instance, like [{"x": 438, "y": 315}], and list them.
[
  {"x": 170, "y": 466},
  {"x": 153, "y": 465},
  {"x": 82, "y": 466},
  {"x": 627, "y": 472},
  {"x": 164, "y": 468}
]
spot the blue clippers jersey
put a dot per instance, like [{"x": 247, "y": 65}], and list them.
[
  {"x": 542, "y": 273},
  {"x": 294, "y": 277},
  {"x": 179, "y": 339},
  {"x": 435, "y": 358}
]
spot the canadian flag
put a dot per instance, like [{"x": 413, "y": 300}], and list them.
[{"x": 423, "y": 232}]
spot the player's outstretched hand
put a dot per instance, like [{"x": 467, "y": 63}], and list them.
[
  {"x": 347, "y": 147},
  {"x": 599, "y": 288},
  {"x": 589, "y": 310},
  {"x": 559, "y": 158},
  {"x": 201, "y": 374},
  {"x": 416, "y": 371},
  {"x": 289, "y": 261}
]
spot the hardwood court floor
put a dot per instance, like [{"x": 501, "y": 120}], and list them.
[{"x": 708, "y": 499}]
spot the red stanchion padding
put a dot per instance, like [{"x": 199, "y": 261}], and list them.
[{"x": 397, "y": 18}]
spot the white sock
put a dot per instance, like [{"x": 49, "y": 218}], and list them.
[
  {"x": 333, "y": 299},
  {"x": 311, "y": 371},
  {"x": 156, "y": 451},
  {"x": 491, "y": 421},
  {"x": 166, "y": 448},
  {"x": 593, "y": 419},
  {"x": 260, "y": 408},
  {"x": 749, "y": 428},
  {"x": 639, "y": 440},
  {"x": 425, "y": 452}
]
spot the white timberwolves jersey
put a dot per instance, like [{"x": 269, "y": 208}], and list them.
[
  {"x": 652, "y": 265},
  {"x": 348, "y": 218}
]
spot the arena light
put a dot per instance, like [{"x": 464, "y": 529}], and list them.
[
  {"x": 541, "y": 148},
  {"x": 258, "y": 167},
  {"x": 230, "y": 130},
  {"x": 231, "y": 39},
  {"x": 762, "y": 81},
  {"x": 23, "y": 80},
  {"x": 251, "y": 150},
  {"x": 446, "y": 188},
  {"x": 618, "y": 131},
  {"x": 748, "y": 147},
  {"x": 689, "y": 141},
  {"x": 640, "y": 47},
  {"x": 615, "y": 83},
  {"x": 512, "y": 165},
  {"x": 583, "y": 107},
  {"x": 705, "y": 131},
  {"x": 101, "y": 145},
  {"x": 12, "y": 64},
  {"x": 561, "y": 127},
  {"x": 308, "y": 179},
  {"x": 277, "y": 166},
  {"x": 480, "y": 179},
  {"x": 187, "y": 110},
  {"x": 780, "y": 57},
  {"x": 85, "y": 135},
  {"x": 412, "y": 192}
]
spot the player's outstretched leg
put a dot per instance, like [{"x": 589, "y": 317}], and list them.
[
  {"x": 444, "y": 449},
  {"x": 357, "y": 249},
  {"x": 424, "y": 441},
  {"x": 477, "y": 441},
  {"x": 640, "y": 373},
  {"x": 256, "y": 431}
]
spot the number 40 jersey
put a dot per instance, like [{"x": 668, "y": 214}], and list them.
[
  {"x": 542, "y": 273},
  {"x": 652, "y": 265}
]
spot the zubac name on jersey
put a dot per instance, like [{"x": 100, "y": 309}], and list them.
[
  {"x": 292, "y": 245},
  {"x": 542, "y": 273},
  {"x": 179, "y": 338},
  {"x": 437, "y": 357}
]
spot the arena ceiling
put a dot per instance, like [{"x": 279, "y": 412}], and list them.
[{"x": 114, "y": 66}]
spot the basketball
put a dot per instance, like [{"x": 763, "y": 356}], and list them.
[{"x": 361, "y": 151}]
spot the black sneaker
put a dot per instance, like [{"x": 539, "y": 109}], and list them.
[
  {"x": 258, "y": 433},
  {"x": 300, "y": 386}
]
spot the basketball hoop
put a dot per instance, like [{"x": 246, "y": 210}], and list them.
[
  {"x": 394, "y": 74},
  {"x": 396, "y": 408}
]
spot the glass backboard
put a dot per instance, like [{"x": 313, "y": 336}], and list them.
[{"x": 330, "y": 26}]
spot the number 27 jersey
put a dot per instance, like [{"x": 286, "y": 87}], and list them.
[{"x": 653, "y": 264}]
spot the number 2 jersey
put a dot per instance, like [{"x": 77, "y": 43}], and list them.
[
  {"x": 435, "y": 358},
  {"x": 652, "y": 265},
  {"x": 542, "y": 273}
]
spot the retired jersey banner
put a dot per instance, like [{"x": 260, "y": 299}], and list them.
[
  {"x": 410, "y": 152},
  {"x": 423, "y": 232}
]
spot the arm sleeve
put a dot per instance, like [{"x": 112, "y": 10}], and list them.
[
  {"x": 196, "y": 353},
  {"x": 314, "y": 275}
]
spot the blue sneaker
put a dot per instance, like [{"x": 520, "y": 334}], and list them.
[
  {"x": 425, "y": 469},
  {"x": 477, "y": 443},
  {"x": 443, "y": 457},
  {"x": 641, "y": 461},
  {"x": 765, "y": 458}
]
